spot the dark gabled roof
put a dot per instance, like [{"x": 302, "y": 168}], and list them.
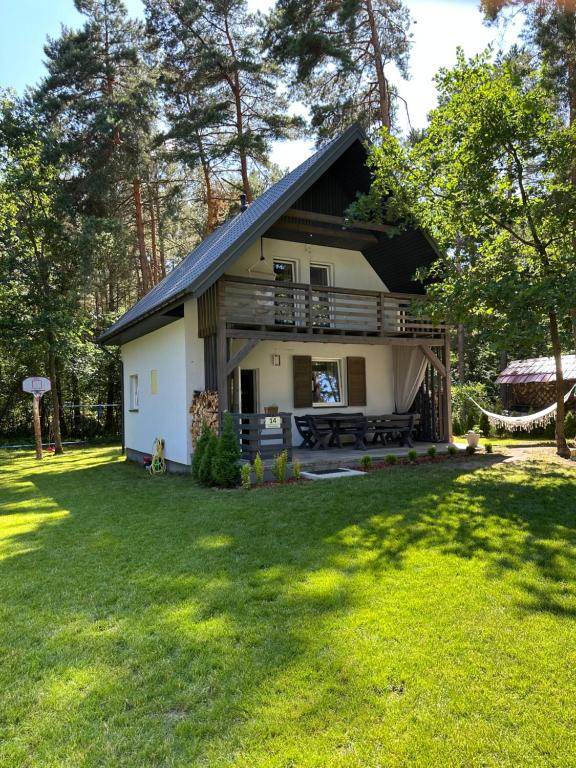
[
  {"x": 213, "y": 255},
  {"x": 537, "y": 370}
]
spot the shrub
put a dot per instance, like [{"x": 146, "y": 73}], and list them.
[
  {"x": 366, "y": 461},
  {"x": 413, "y": 456},
  {"x": 484, "y": 425},
  {"x": 432, "y": 451},
  {"x": 488, "y": 447},
  {"x": 390, "y": 458},
  {"x": 456, "y": 427},
  {"x": 470, "y": 450},
  {"x": 259, "y": 469},
  {"x": 199, "y": 451},
  {"x": 296, "y": 469},
  {"x": 452, "y": 450},
  {"x": 206, "y": 473},
  {"x": 227, "y": 461},
  {"x": 464, "y": 412},
  {"x": 245, "y": 476},
  {"x": 280, "y": 466},
  {"x": 570, "y": 425}
]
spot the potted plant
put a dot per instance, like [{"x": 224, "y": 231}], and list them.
[{"x": 473, "y": 436}]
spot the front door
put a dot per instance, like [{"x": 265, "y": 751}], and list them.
[{"x": 248, "y": 390}]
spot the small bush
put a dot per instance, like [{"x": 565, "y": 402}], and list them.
[
  {"x": 280, "y": 466},
  {"x": 485, "y": 425},
  {"x": 470, "y": 450},
  {"x": 432, "y": 451},
  {"x": 246, "y": 476},
  {"x": 227, "y": 460},
  {"x": 366, "y": 461},
  {"x": 206, "y": 473},
  {"x": 390, "y": 458},
  {"x": 570, "y": 426},
  {"x": 452, "y": 450},
  {"x": 259, "y": 469},
  {"x": 457, "y": 427},
  {"x": 413, "y": 456},
  {"x": 296, "y": 469},
  {"x": 488, "y": 447},
  {"x": 199, "y": 450}
]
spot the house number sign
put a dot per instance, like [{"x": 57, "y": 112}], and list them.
[{"x": 272, "y": 422}]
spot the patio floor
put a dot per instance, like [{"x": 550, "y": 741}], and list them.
[{"x": 349, "y": 457}]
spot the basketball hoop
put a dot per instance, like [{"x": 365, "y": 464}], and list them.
[{"x": 36, "y": 385}]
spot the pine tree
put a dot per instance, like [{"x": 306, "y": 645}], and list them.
[
  {"x": 227, "y": 461},
  {"x": 223, "y": 105},
  {"x": 338, "y": 54},
  {"x": 199, "y": 451}
]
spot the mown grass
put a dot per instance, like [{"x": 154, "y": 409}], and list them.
[{"x": 421, "y": 616}]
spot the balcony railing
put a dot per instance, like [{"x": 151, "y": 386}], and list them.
[{"x": 298, "y": 308}]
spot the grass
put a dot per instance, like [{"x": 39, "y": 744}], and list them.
[{"x": 390, "y": 620}]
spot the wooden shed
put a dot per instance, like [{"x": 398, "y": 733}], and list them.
[{"x": 529, "y": 385}]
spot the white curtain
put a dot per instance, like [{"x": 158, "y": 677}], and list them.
[{"x": 409, "y": 369}]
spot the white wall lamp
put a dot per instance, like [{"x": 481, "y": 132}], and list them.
[{"x": 276, "y": 360}]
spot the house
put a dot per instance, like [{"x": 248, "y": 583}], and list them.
[
  {"x": 287, "y": 306},
  {"x": 530, "y": 385}
]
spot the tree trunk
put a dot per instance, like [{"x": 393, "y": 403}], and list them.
[
  {"x": 461, "y": 339},
  {"x": 561, "y": 445},
  {"x": 161, "y": 251},
  {"x": 153, "y": 248},
  {"x": 55, "y": 403},
  {"x": 144, "y": 267},
  {"x": 383, "y": 90}
]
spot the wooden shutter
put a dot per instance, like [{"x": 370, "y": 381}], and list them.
[
  {"x": 302, "y": 369},
  {"x": 356, "y": 368}
]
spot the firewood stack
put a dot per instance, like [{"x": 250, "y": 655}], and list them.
[{"x": 204, "y": 408}]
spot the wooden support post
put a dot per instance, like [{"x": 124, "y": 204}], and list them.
[
  {"x": 237, "y": 358},
  {"x": 447, "y": 388},
  {"x": 221, "y": 353},
  {"x": 433, "y": 359}
]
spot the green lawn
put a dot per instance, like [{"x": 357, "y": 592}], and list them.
[{"x": 422, "y": 616}]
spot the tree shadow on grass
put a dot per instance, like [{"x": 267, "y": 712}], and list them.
[{"x": 171, "y": 614}]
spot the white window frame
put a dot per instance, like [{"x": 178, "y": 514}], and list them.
[
  {"x": 293, "y": 262},
  {"x": 133, "y": 393},
  {"x": 342, "y": 382},
  {"x": 330, "y": 274}
]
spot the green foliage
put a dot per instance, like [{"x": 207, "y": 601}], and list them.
[
  {"x": 206, "y": 473},
  {"x": 464, "y": 413},
  {"x": 484, "y": 425},
  {"x": 457, "y": 427},
  {"x": 246, "y": 476},
  {"x": 366, "y": 461},
  {"x": 452, "y": 450},
  {"x": 391, "y": 458},
  {"x": 296, "y": 469},
  {"x": 412, "y": 456},
  {"x": 199, "y": 451},
  {"x": 470, "y": 450},
  {"x": 280, "y": 466},
  {"x": 226, "y": 468},
  {"x": 570, "y": 425},
  {"x": 432, "y": 451},
  {"x": 259, "y": 470},
  {"x": 488, "y": 447}
]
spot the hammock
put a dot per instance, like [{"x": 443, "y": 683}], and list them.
[{"x": 530, "y": 421}]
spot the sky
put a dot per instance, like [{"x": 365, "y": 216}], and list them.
[{"x": 440, "y": 27}]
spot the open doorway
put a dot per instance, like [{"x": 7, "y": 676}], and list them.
[{"x": 249, "y": 390}]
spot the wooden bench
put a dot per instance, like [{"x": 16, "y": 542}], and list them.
[{"x": 393, "y": 426}]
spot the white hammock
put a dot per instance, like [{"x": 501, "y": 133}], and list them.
[{"x": 530, "y": 421}]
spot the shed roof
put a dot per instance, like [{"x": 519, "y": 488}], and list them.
[{"x": 537, "y": 370}]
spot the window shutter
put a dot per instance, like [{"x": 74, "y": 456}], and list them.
[
  {"x": 356, "y": 368},
  {"x": 302, "y": 369}
]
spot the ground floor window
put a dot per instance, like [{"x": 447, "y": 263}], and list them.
[
  {"x": 327, "y": 382},
  {"x": 133, "y": 392}
]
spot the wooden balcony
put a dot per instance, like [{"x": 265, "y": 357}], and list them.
[{"x": 265, "y": 309}]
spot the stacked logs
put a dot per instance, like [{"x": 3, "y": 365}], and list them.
[{"x": 204, "y": 408}]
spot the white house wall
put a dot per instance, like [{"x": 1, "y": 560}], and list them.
[
  {"x": 348, "y": 269},
  {"x": 164, "y": 414},
  {"x": 276, "y": 386}
]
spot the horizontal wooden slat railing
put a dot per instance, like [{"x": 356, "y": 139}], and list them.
[{"x": 315, "y": 310}]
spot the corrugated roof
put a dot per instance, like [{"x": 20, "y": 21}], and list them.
[
  {"x": 537, "y": 370},
  {"x": 197, "y": 271}
]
